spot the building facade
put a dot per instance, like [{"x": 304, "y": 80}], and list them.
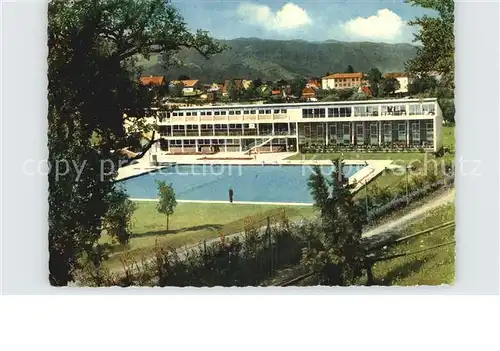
[
  {"x": 412, "y": 123},
  {"x": 342, "y": 81}
]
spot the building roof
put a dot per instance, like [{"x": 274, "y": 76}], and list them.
[
  {"x": 275, "y": 92},
  {"x": 366, "y": 90},
  {"x": 189, "y": 83},
  {"x": 309, "y": 90},
  {"x": 313, "y": 82},
  {"x": 395, "y": 75},
  {"x": 154, "y": 80},
  {"x": 344, "y": 75},
  {"x": 330, "y": 103}
]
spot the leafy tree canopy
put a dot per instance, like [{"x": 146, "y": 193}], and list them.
[
  {"x": 92, "y": 80},
  {"x": 437, "y": 39}
]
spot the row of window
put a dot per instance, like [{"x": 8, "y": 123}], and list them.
[
  {"x": 230, "y": 112},
  {"x": 414, "y": 109},
  {"x": 396, "y": 110},
  {"x": 205, "y": 142},
  {"x": 226, "y": 126}
]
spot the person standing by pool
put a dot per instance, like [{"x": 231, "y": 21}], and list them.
[{"x": 231, "y": 193}]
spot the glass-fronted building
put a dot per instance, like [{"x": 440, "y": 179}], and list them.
[{"x": 407, "y": 123}]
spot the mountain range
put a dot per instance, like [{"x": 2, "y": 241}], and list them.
[{"x": 254, "y": 58}]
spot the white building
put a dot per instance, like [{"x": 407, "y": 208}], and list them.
[
  {"x": 414, "y": 123},
  {"x": 342, "y": 81}
]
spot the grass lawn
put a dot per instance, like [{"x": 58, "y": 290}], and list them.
[
  {"x": 432, "y": 267},
  {"x": 190, "y": 224}
]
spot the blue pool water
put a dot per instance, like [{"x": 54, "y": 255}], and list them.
[{"x": 249, "y": 183}]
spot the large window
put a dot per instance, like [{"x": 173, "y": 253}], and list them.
[
  {"x": 360, "y": 134},
  {"x": 429, "y": 128},
  {"x": 346, "y": 134},
  {"x": 319, "y": 130},
  {"x": 313, "y": 113},
  {"x": 333, "y": 133},
  {"x": 394, "y": 110},
  {"x": 340, "y": 112},
  {"x": 365, "y": 111},
  {"x": 402, "y": 131},
  {"x": 373, "y": 134},
  {"x": 387, "y": 132}
]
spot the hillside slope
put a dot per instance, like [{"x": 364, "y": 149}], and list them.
[{"x": 276, "y": 59}]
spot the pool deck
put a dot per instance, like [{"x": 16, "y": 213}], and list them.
[
  {"x": 143, "y": 166},
  {"x": 236, "y": 202}
]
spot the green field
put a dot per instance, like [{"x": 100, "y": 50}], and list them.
[
  {"x": 432, "y": 267},
  {"x": 190, "y": 224}
]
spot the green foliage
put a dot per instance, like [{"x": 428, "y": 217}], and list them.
[
  {"x": 282, "y": 59},
  {"x": 437, "y": 39},
  {"x": 388, "y": 86},
  {"x": 349, "y": 69},
  {"x": 92, "y": 77},
  {"x": 167, "y": 201},
  {"x": 422, "y": 84},
  {"x": 232, "y": 91},
  {"x": 336, "y": 254},
  {"x": 118, "y": 219},
  {"x": 375, "y": 78},
  {"x": 176, "y": 90}
]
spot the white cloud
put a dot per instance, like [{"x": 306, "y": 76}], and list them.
[
  {"x": 290, "y": 16},
  {"x": 385, "y": 25}
]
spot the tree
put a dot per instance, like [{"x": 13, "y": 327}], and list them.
[
  {"x": 92, "y": 80},
  {"x": 183, "y": 77},
  {"x": 345, "y": 94},
  {"x": 297, "y": 86},
  {"x": 437, "y": 40},
  {"x": 337, "y": 255},
  {"x": 232, "y": 91},
  {"x": 281, "y": 83},
  {"x": 422, "y": 84},
  {"x": 374, "y": 79},
  {"x": 177, "y": 90},
  {"x": 257, "y": 83},
  {"x": 118, "y": 219},
  {"x": 349, "y": 69},
  {"x": 167, "y": 202},
  {"x": 388, "y": 86},
  {"x": 251, "y": 92}
]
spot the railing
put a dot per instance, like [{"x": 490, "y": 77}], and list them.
[
  {"x": 282, "y": 117},
  {"x": 257, "y": 143}
]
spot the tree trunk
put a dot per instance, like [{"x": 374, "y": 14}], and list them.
[{"x": 167, "y": 221}]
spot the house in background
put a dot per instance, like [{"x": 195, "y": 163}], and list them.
[
  {"x": 152, "y": 80},
  {"x": 246, "y": 83},
  {"x": 402, "y": 79},
  {"x": 342, "y": 81},
  {"x": 310, "y": 92},
  {"x": 191, "y": 87},
  {"x": 313, "y": 83}
]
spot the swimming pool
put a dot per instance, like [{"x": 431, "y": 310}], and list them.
[{"x": 250, "y": 183}]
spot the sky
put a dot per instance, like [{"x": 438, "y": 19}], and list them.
[{"x": 312, "y": 20}]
